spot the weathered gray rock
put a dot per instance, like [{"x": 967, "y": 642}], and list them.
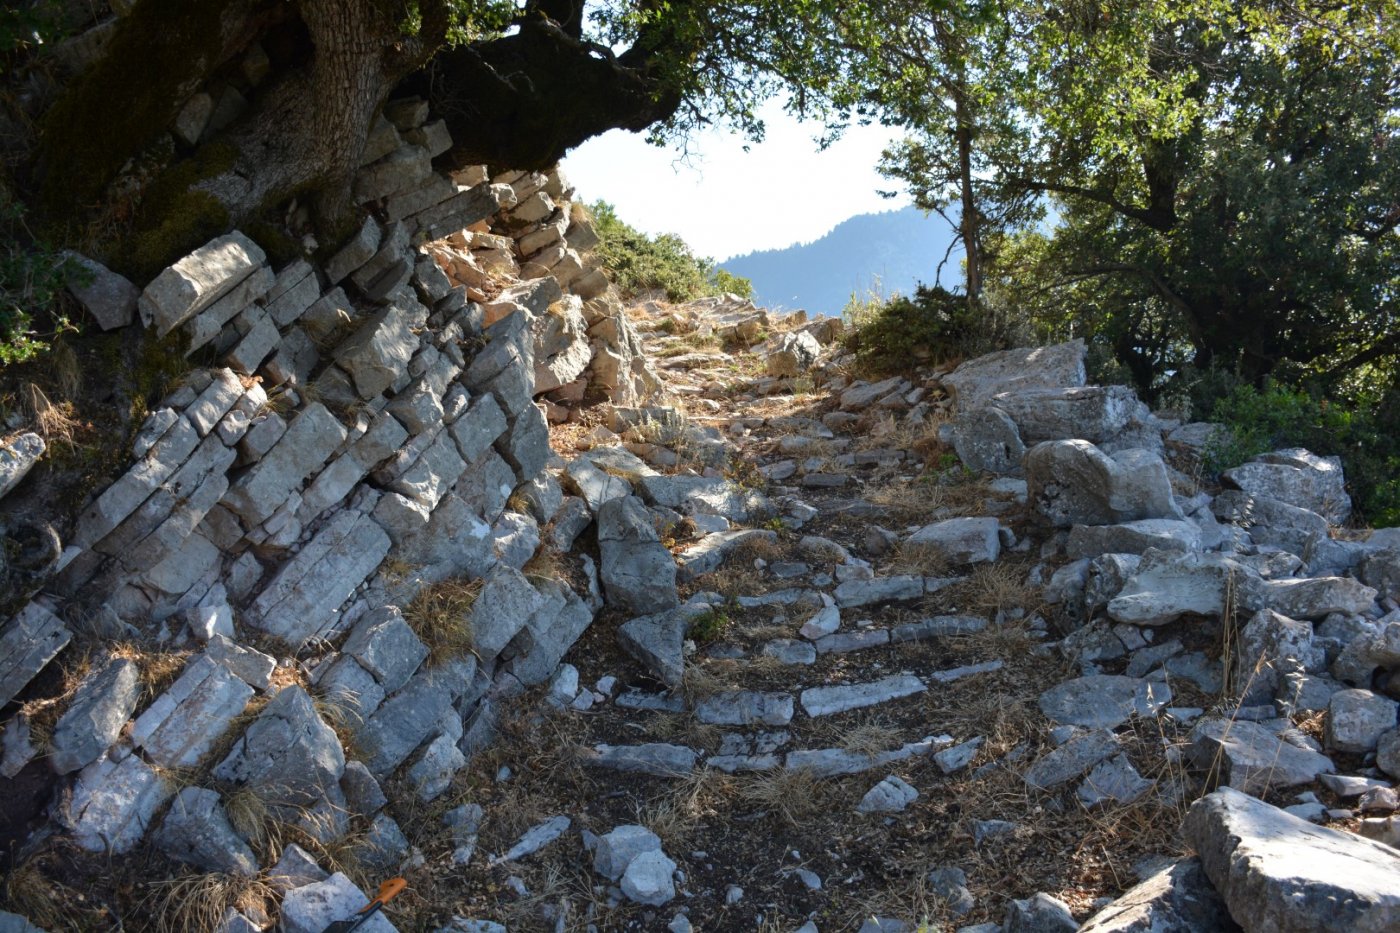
[
  {"x": 1317, "y": 597},
  {"x": 289, "y": 755},
  {"x": 658, "y": 640},
  {"x": 1113, "y": 781},
  {"x": 187, "y": 720},
  {"x": 1167, "y": 585},
  {"x": 986, "y": 439},
  {"x": 891, "y": 795},
  {"x": 1039, "y": 914},
  {"x": 616, "y": 850},
  {"x": 1164, "y": 534},
  {"x": 526, "y": 446},
  {"x": 1071, "y": 759},
  {"x": 17, "y": 458},
  {"x": 198, "y": 280},
  {"x": 506, "y": 601},
  {"x": 793, "y": 355},
  {"x": 701, "y": 494},
  {"x": 825, "y": 701},
  {"x": 196, "y": 830},
  {"x": 1297, "y": 477},
  {"x": 1356, "y": 719},
  {"x": 1270, "y": 646},
  {"x": 113, "y": 802},
  {"x": 377, "y": 355},
  {"x": 30, "y": 640},
  {"x": 637, "y": 571},
  {"x": 1090, "y": 413},
  {"x": 1072, "y": 482},
  {"x": 976, "y": 381},
  {"x": 1103, "y": 701},
  {"x": 1278, "y": 872},
  {"x": 102, "y": 705},
  {"x": 656, "y": 758},
  {"x": 595, "y": 485},
  {"x": 1177, "y": 898},
  {"x": 313, "y": 435},
  {"x": 304, "y": 598},
  {"x": 385, "y": 645},
  {"x": 1271, "y": 522},
  {"x": 745, "y": 708},
  {"x": 313, "y": 907},
  {"x": 648, "y": 879},
  {"x": 1252, "y": 759},
  {"x": 959, "y": 540},
  {"x": 855, "y": 593},
  {"x": 710, "y": 552},
  {"x": 110, "y": 298},
  {"x": 404, "y": 721}
]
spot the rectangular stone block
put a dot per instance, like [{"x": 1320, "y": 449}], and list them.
[
  {"x": 310, "y": 439},
  {"x": 304, "y": 598},
  {"x": 31, "y": 640},
  {"x": 198, "y": 280},
  {"x": 210, "y": 323}
]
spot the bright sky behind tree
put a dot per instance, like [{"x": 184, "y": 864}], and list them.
[{"x": 725, "y": 201}]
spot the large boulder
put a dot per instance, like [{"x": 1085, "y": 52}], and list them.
[
  {"x": 1072, "y": 482},
  {"x": 1297, "y": 477},
  {"x": 1278, "y": 872},
  {"x": 288, "y": 755},
  {"x": 637, "y": 570},
  {"x": 986, "y": 439},
  {"x": 1251, "y": 758},
  {"x": 1170, "y": 584},
  {"x": 793, "y": 355},
  {"x": 1023, "y": 368},
  {"x": 1091, "y": 413}
]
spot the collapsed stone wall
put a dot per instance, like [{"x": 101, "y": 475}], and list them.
[{"x": 377, "y": 424}]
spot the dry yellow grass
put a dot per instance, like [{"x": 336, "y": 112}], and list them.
[
  {"x": 790, "y": 795},
  {"x": 198, "y": 901},
  {"x": 440, "y": 616}
]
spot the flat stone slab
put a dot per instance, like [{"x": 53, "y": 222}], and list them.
[
  {"x": 536, "y": 838},
  {"x": 1102, "y": 701},
  {"x": 1072, "y": 759},
  {"x": 1253, "y": 759},
  {"x": 879, "y": 590},
  {"x": 826, "y": 701},
  {"x": 833, "y": 762},
  {"x": 313, "y": 907},
  {"x": 17, "y": 458},
  {"x": 1278, "y": 872},
  {"x": 744, "y": 708},
  {"x": 657, "y": 758},
  {"x": 891, "y": 795},
  {"x": 1176, "y": 899}
]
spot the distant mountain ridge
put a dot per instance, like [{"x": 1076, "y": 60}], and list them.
[{"x": 896, "y": 250}]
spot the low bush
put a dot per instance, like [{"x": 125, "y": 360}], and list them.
[
  {"x": 636, "y": 262},
  {"x": 31, "y": 285},
  {"x": 1364, "y": 433},
  {"x": 933, "y": 325}
]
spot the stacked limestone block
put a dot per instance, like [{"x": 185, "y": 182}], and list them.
[{"x": 377, "y": 411}]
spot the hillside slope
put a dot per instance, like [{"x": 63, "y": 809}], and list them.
[{"x": 892, "y": 251}]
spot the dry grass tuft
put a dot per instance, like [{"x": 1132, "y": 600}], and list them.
[
  {"x": 47, "y": 903},
  {"x": 919, "y": 559},
  {"x": 792, "y": 795},
  {"x": 999, "y": 586},
  {"x": 194, "y": 901},
  {"x": 440, "y": 616},
  {"x": 868, "y": 737},
  {"x": 699, "y": 682},
  {"x": 54, "y": 421}
]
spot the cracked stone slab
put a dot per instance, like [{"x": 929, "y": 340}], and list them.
[
  {"x": 833, "y": 762},
  {"x": 746, "y": 707},
  {"x": 657, "y": 758},
  {"x": 185, "y": 721},
  {"x": 31, "y": 640},
  {"x": 1253, "y": 759},
  {"x": 826, "y": 701},
  {"x": 1102, "y": 701}
]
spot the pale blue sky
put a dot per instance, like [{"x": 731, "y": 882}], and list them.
[{"x": 724, "y": 201}]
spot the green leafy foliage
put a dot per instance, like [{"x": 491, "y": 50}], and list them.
[
  {"x": 637, "y": 262},
  {"x": 1364, "y": 433},
  {"x": 32, "y": 277},
  {"x": 934, "y": 324}
]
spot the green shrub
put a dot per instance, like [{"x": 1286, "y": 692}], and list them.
[
  {"x": 1365, "y": 434},
  {"x": 31, "y": 280},
  {"x": 935, "y": 324},
  {"x": 636, "y": 262}
]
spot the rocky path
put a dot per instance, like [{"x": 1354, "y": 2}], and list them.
[{"x": 864, "y": 712}]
